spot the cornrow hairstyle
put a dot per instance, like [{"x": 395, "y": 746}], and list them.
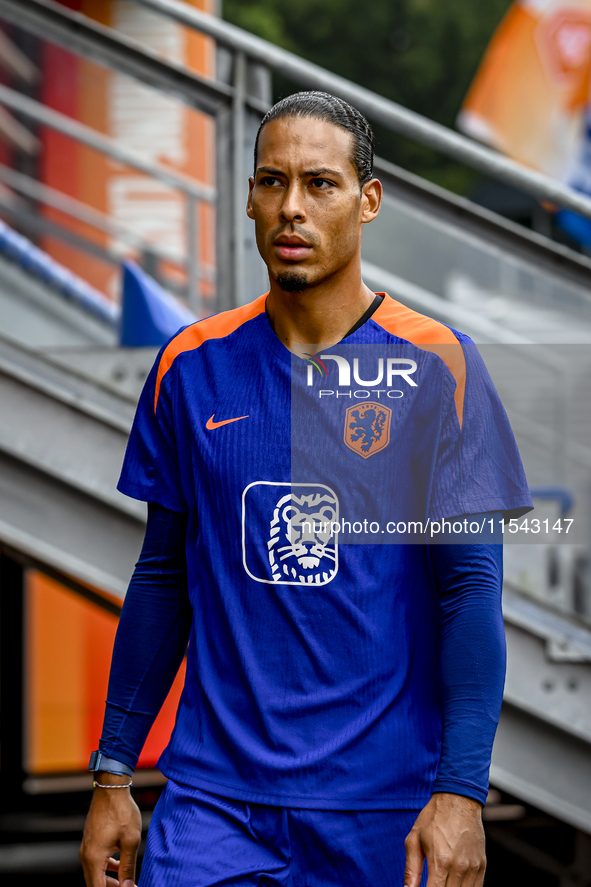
[{"x": 323, "y": 106}]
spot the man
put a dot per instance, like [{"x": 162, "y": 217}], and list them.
[{"x": 343, "y": 682}]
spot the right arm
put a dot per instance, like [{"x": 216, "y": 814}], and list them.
[{"x": 149, "y": 647}]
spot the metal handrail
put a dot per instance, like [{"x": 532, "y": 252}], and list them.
[
  {"x": 23, "y": 184},
  {"x": 88, "y": 136},
  {"x": 193, "y": 191},
  {"x": 44, "y": 267},
  {"x": 49, "y": 19},
  {"x": 378, "y": 108}
]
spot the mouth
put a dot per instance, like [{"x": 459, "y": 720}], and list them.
[{"x": 291, "y": 249}]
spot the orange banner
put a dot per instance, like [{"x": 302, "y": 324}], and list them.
[
  {"x": 531, "y": 94},
  {"x": 68, "y": 642}
]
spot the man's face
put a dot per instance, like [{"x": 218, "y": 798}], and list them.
[{"x": 306, "y": 201}]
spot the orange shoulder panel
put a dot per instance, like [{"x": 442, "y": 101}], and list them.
[
  {"x": 428, "y": 334},
  {"x": 215, "y": 327}
]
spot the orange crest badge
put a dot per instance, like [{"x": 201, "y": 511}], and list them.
[{"x": 367, "y": 428}]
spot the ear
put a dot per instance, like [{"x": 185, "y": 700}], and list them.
[
  {"x": 371, "y": 200},
  {"x": 249, "y": 211}
]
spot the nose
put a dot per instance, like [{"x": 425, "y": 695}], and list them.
[{"x": 292, "y": 208}]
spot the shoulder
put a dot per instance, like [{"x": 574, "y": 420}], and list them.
[
  {"x": 194, "y": 336},
  {"x": 403, "y": 322},
  {"x": 429, "y": 335}
]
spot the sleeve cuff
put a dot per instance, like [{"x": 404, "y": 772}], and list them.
[
  {"x": 458, "y": 787},
  {"x": 116, "y": 755}
]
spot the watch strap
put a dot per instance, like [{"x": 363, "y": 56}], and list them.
[{"x": 99, "y": 761}]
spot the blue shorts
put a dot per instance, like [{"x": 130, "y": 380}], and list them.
[{"x": 197, "y": 839}]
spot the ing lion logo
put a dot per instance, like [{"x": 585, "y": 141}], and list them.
[
  {"x": 302, "y": 543},
  {"x": 367, "y": 428}
]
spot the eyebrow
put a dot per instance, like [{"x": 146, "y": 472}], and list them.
[{"x": 313, "y": 173}]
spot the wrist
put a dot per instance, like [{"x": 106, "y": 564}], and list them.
[
  {"x": 459, "y": 802},
  {"x": 462, "y": 787},
  {"x": 107, "y": 778},
  {"x": 113, "y": 784}
]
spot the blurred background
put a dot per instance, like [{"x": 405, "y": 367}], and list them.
[{"x": 126, "y": 135}]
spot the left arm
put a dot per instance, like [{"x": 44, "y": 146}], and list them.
[{"x": 448, "y": 831}]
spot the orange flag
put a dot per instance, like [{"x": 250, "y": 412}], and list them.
[{"x": 531, "y": 94}]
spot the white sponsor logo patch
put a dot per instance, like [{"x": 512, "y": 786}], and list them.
[{"x": 290, "y": 533}]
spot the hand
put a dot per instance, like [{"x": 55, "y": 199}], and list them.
[
  {"x": 448, "y": 833},
  {"x": 114, "y": 823}
]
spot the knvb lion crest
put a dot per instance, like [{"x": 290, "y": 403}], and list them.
[{"x": 367, "y": 428}]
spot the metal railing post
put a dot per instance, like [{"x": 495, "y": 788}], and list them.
[
  {"x": 238, "y": 175},
  {"x": 223, "y": 211},
  {"x": 193, "y": 257}
]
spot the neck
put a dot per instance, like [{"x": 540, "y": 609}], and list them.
[{"x": 320, "y": 315}]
